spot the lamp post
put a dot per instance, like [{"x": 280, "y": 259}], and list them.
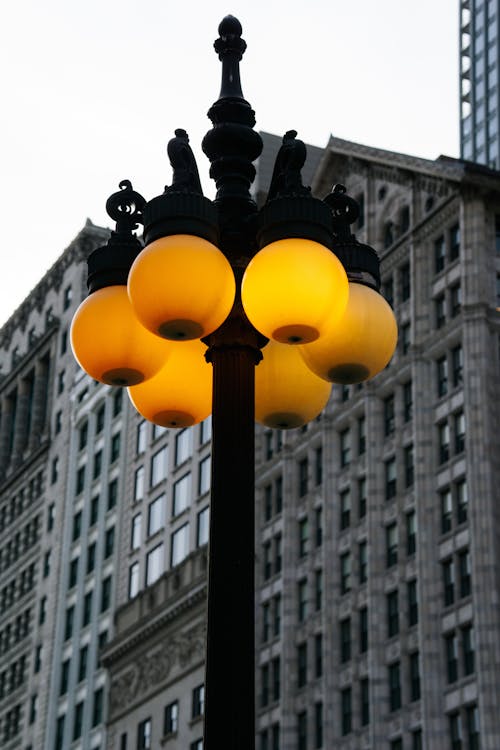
[{"x": 242, "y": 287}]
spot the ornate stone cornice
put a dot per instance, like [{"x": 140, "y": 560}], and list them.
[{"x": 78, "y": 251}]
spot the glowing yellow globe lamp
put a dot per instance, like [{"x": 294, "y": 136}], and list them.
[
  {"x": 287, "y": 393},
  {"x": 181, "y": 287},
  {"x": 361, "y": 345},
  {"x": 110, "y": 344},
  {"x": 180, "y": 395},
  {"x": 108, "y": 341},
  {"x": 294, "y": 289}
]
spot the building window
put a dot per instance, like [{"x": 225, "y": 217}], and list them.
[
  {"x": 109, "y": 542},
  {"x": 414, "y": 669},
  {"x": 318, "y": 518},
  {"x": 457, "y": 365},
  {"x": 390, "y": 478},
  {"x": 318, "y": 725},
  {"x": 405, "y": 337},
  {"x": 365, "y": 701},
  {"x": 442, "y": 376},
  {"x": 144, "y": 735},
  {"x": 439, "y": 254},
  {"x": 204, "y": 468},
  {"x": 394, "y": 678},
  {"x": 363, "y": 630},
  {"x": 302, "y": 731},
  {"x": 115, "y": 447},
  {"x": 181, "y": 494},
  {"x": 407, "y": 401},
  {"x": 345, "y": 572},
  {"x": 266, "y": 561},
  {"x": 278, "y": 494},
  {"x": 171, "y": 718},
  {"x": 346, "y": 710},
  {"x": 133, "y": 580},
  {"x": 140, "y": 437},
  {"x": 448, "y": 581},
  {"x": 444, "y": 442},
  {"x": 106, "y": 594},
  {"x": 268, "y": 502},
  {"x": 468, "y": 657},
  {"x": 198, "y": 701},
  {"x": 183, "y": 443},
  {"x": 318, "y": 465},
  {"x": 301, "y": 665},
  {"x": 345, "y": 640},
  {"x": 472, "y": 725},
  {"x": 67, "y": 297},
  {"x": 159, "y": 466},
  {"x": 409, "y": 465},
  {"x": 464, "y": 569},
  {"x": 462, "y": 501},
  {"x": 440, "y": 311},
  {"x": 459, "y": 429},
  {"x": 404, "y": 276},
  {"x": 78, "y": 721},
  {"x": 392, "y": 614},
  {"x": 202, "y": 527},
  {"x": 455, "y": 726},
  {"x": 205, "y": 430},
  {"x": 63, "y": 682},
  {"x": 112, "y": 493},
  {"x": 99, "y": 425},
  {"x": 388, "y": 291},
  {"x": 454, "y": 238},
  {"x": 180, "y": 545},
  {"x": 345, "y": 509},
  {"x": 82, "y": 436},
  {"x": 277, "y": 614},
  {"x": 391, "y": 544},
  {"x": 446, "y": 510},
  {"x": 278, "y": 554},
  {"x": 411, "y": 533},
  {"x": 318, "y": 590},
  {"x": 361, "y": 435},
  {"x": 302, "y": 599},
  {"x": 154, "y": 564},
  {"x": 451, "y": 650},
  {"x": 303, "y": 537},
  {"x": 303, "y": 472},
  {"x": 68, "y": 622},
  {"x": 266, "y": 621},
  {"x": 318, "y": 655},
  {"x": 362, "y": 497},
  {"x": 345, "y": 448},
  {"x": 389, "y": 421},
  {"x": 135, "y": 536},
  {"x": 455, "y": 300},
  {"x": 363, "y": 562},
  {"x": 139, "y": 484},
  {"x": 416, "y": 739},
  {"x": 80, "y": 480},
  {"x": 91, "y": 555}
]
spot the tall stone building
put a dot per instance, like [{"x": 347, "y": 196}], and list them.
[
  {"x": 479, "y": 76},
  {"x": 377, "y": 525}
]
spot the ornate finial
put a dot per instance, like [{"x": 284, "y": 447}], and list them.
[
  {"x": 186, "y": 178},
  {"x": 287, "y": 177},
  {"x": 125, "y": 207},
  {"x": 345, "y": 211},
  {"x": 230, "y": 48}
]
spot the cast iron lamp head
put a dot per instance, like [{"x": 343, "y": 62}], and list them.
[{"x": 220, "y": 274}]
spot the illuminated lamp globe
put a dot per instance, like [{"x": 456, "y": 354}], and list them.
[
  {"x": 287, "y": 393},
  {"x": 110, "y": 344},
  {"x": 361, "y": 344},
  {"x": 181, "y": 287},
  {"x": 180, "y": 395},
  {"x": 293, "y": 290}
]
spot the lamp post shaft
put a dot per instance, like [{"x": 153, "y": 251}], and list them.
[{"x": 230, "y": 666}]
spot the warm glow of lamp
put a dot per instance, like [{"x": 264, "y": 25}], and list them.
[
  {"x": 287, "y": 393},
  {"x": 180, "y": 395},
  {"x": 110, "y": 344},
  {"x": 181, "y": 287},
  {"x": 293, "y": 289},
  {"x": 360, "y": 345}
]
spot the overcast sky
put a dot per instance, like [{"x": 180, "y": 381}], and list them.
[{"x": 92, "y": 90}]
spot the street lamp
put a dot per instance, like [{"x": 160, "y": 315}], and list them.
[{"x": 218, "y": 288}]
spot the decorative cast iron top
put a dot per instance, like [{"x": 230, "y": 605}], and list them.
[
  {"x": 186, "y": 178},
  {"x": 230, "y": 48},
  {"x": 345, "y": 211},
  {"x": 287, "y": 179},
  {"x": 125, "y": 208}
]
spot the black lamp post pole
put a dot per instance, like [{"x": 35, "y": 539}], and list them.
[{"x": 234, "y": 350}]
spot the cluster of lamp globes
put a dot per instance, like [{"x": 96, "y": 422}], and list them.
[{"x": 322, "y": 328}]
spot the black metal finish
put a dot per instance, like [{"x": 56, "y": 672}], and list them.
[
  {"x": 109, "y": 265},
  {"x": 360, "y": 261}
]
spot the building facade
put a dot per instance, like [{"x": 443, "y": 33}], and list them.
[
  {"x": 377, "y": 525},
  {"x": 479, "y": 76}
]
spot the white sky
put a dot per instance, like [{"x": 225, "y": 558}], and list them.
[{"x": 92, "y": 90}]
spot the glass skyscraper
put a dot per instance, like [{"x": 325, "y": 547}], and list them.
[{"x": 479, "y": 61}]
